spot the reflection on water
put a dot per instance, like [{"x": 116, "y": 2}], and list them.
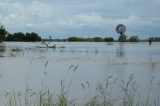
[
  {"x": 120, "y": 51},
  {"x": 2, "y": 49},
  {"x": 95, "y": 61}
]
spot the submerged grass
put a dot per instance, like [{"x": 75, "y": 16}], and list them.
[
  {"x": 104, "y": 94},
  {"x": 152, "y": 64}
]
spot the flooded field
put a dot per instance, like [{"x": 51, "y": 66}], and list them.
[{"x": 112, "y": 72}]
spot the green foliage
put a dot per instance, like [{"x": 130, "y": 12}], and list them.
[
  {"x": 122, "y": 38},
  {"x": 75, "y": 39},
  {"x": 23, "y": 37},
  {"x": 103, "y": 95},
  {"x": 3, "y": 33},
  {"x": 133, "y": 39},
  {"x": 108, "y": 39},
  {"x": 95, "y": 39},
  {"x": 98, "y": 39},
  {"x": 154, "y": 39},
  {"x": 19, "y": 36}
]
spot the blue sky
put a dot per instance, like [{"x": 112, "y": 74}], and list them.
[{"x": 83, "y": 18}]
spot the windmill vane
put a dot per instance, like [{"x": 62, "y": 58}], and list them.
[{"x": 120, "y": 29}]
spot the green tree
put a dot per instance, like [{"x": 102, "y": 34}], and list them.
[
  {"x": 122, "y": 38},
  {"x": 150, "y": 40},
  {"x": 108, "y": 39},
  {"x": 35, "y": 37},
  {"x": 9, "y": 37},
  {"x": 32, "y": 37},
  {"x": 98, "y": 39},
  {"x": 75, "y": 39},
  {"x": 3, "y": 33},
  {"x": 17, "y": 36},
  {"x": 133, "y": 39},
  {"x": 23, "y": 37}
]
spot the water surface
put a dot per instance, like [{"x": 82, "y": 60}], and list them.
[{"x": 93, "y": 62}]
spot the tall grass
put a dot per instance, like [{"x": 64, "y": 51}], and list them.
[
  {"x": 103, "y": 95},
  {"x": 152, "y": 64}
]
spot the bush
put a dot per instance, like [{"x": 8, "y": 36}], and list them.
[
  {"x": 133, "y": 39},
  {"x": 108, "y": 39}
]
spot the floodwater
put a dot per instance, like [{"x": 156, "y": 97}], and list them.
[{"x": 79, "y": 63}]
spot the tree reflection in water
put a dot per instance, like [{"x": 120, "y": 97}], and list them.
[
  {"x": 120, "y": 51},
  {"x": 2, "y": 49}
]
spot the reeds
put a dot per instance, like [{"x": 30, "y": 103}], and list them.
[
  {"x": 152, "y": 64},
  {"x": 103, "y": 95}
]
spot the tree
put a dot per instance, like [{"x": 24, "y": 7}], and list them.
[
  {"x": 23, "y": 37},
  {"x": 32, "y": 37},
  {"x": 98, "y": 39},
  {"x": 35, "y": 37},
  {"x": 150, "y": 40},
  {"x": 154, "y": 39},
  {"x": 108, "y": 39},
  {"x": 133, "y": 39},
  {"x": 18, "y": 36},
  {"x": 3, "y": 33},
  {"x": 75, "y": 39},
  {"x": 9, "y": 37},
  {"x": 122, "y": 38}
]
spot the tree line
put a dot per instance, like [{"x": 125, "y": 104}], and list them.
[
  {"x": 123, "y": 38},
  {"x": 18, "y": 36},
  {"x": 106, "y": 39},
  {"x": 94, "y": 39},
  {"x": 23, "y": 37}
]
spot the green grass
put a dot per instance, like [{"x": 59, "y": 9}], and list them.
[{"x": 103, "y": 95}]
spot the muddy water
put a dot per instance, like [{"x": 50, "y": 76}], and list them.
[{"x": 79, "y": 64}]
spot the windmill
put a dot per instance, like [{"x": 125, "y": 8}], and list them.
[{"x": 121, "y": 29}]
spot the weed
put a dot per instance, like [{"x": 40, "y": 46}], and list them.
[{"x": 104, "y": 94}]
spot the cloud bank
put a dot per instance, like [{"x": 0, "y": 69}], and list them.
[{"x": 82, "y": 17}]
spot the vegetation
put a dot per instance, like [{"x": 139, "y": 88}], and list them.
[
  {"x": 133, "y": 39},
  {"x": 109, "y": 39},
  {"x": 103, "y": 95},
  {"x": 6, "y": 36},
  {"x": 154, "y": 39},
  {"x": 3, "y": 33},
  {"x": 20, "y": 36},
  {"x": 95, "y": 39},
  {"x": 122, "y": 38},
  {"x": 23, "y": 37}
]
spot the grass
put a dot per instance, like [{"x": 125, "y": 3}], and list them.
[
  {"x": 103, "y": 95},
  {"x": 152, "y": 64}
]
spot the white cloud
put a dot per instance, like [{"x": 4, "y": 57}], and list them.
[
  {"x": 94, "y": 20},
  {"x": 19, "y": 14},
  {"x": 97, "y": 14},
  {"x": 84, "y": 20}
]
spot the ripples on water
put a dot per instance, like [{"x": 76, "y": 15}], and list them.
[{"x": 95, "y": 61}]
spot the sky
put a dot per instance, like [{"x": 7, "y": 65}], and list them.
[{"x": 82, "y": 18}]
